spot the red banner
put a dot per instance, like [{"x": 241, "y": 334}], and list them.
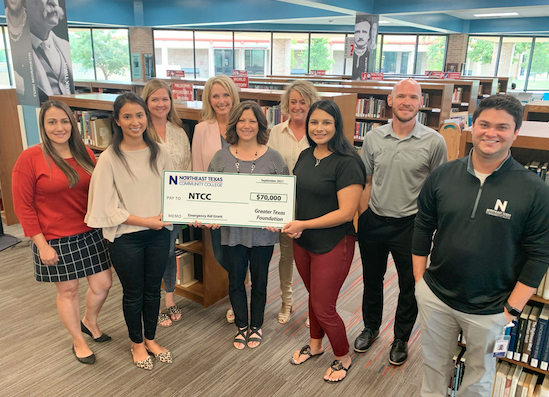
[
  {"x": 240, "y": 72},
  {"x": 453, "y": 75},
  {"x": 318, "y": 72},
  {"x": 240, "y": 81},
  {"x": 175, "y": 73},
  {"x": 434, "y": 73},
  {"x": 372, "y": 76},
  {"x": 183, "y": 91}
]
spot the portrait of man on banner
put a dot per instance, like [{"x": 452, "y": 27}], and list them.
[
  {"x": 365, "y": 43},
  {"x": 50, "y": 47}
]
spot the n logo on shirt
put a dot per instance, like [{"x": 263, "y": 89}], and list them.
[
  {"x": 499, "y": 210},
  {"x": 500, "y": 206}
]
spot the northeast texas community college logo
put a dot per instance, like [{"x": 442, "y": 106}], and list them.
[{"x": 499, "y": 210}]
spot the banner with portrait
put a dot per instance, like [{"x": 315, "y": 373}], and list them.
[
  {"x": 365, "y": 44},
  {"x": 40, "y": 49}
]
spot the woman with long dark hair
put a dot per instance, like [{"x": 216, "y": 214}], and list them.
[
  {"x": 50, "y": 192},
  {"x": 125, "y": 200},
  {"x": 330, "y": 180}
]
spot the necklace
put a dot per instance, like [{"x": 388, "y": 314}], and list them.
[
  {"x": 237, "y": 164},
  {"x": 317, "y": 162},
  {"x": 12, "y": 29}
]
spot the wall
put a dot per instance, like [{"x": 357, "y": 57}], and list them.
[
  {"x": 141, "y": 42},
  {"x": 457, "y": 48}
]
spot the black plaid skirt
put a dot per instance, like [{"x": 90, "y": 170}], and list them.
[{"x": 79, "y": 256}]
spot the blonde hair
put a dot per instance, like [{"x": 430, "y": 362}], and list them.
[
  {"x": 150, "y": 88},
  {"x": 305, "y": 88},
  {"x": 76, "y": 145},
  {"x": 208, "y": 112}
]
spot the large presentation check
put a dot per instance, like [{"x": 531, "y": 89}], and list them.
[{"x": 228, "y": 199}]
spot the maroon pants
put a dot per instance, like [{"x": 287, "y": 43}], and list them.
[{"x": 323, "y": 276}]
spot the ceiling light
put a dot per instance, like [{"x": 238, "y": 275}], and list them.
[
  {"x": 497, "y": 14},
  {"x": 384, "y": 22}
]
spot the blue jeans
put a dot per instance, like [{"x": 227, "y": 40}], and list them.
[{"x": 171, "y": 267}]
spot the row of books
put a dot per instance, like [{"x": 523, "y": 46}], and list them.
[
  {"x": 274, "y": 115},
  {"x": 362, "y": 128},
  {"x": 370, "y": 107},
  {"x": 513, "y": 380},
  {"x": 541, "y": 170},
  {"x": 94, "y": 126},
  {"x": 458, "y": 369},
  {"x": 529, "y": 336}
]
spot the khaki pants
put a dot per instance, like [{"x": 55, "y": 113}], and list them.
[
  {"x": 440, "y": 326},
  {"x": 286, "y": 267}
]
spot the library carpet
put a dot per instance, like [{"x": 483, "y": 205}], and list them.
[{"x": 36, "y": 357}]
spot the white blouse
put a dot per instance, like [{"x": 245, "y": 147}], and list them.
[
  {"x": 114, "y": 194},
  {"x": 179, "y": 146}
]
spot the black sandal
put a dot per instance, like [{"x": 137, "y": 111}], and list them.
[
  {"x": 337, "y": 365},
  {"x": 254, "y": 330},
  {"x": 305, "y": 350},
  {"x": 241, "y": 332}
]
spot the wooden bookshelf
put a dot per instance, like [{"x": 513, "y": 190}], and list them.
[
  {"x": 11, "y": 146},
  {"x": 345, "y": 100},
  {"x": 532, "y": 135},
  {"x": 536, "y": 111},
  {"x": 107, "y": 86},
  {"x": 214, "y": 284}
]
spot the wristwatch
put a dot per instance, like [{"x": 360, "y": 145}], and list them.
[{"x": 512, "y": 311}]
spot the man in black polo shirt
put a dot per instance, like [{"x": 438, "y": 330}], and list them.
[{"x": 489, "y": 253}]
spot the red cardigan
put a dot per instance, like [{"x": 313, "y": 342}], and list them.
[{"x": 44, "y": 203}]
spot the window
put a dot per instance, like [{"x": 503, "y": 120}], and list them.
[
  {"x": 539, "y": 70},
  {"x": 214, "y": 53},
  {"x": 290, "y": 53},
  {"x": 327, "y": 53},
  {"x": 173, "y": 50},
  {"x": 4, "y": 69},
  {"x": 81, "y": 54},
  {"x": 252, "y": 52},
  {"x": 481, "y": 56},
  {"x": 398, "y": 54},
  {"x": 431, "y": 52},
  {"x": 111, "y": 54}
]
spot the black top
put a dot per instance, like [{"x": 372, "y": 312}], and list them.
[
  {"x": 487, "y": 237},
  {"x": 316, "y": 195}
]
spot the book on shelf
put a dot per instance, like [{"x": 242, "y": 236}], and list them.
[
  {"x": 425, "y": 99},
  {"x": 94, "y": 126},
  {"x": 530, "y": 333},
  {"x": 540, "y": 169},
  {"x": 456, "y": 95},
  {"x": 185, "y": 268},
  {"x": 361, "y": 128},
  {"x": 541, "y": 286},
  {"x": 521, "y": 332},
  {"x": 540, "y": 337},
  {"x": 370, "y": 107},
  {"x": 458, "y": 369},
  {"x": 274, "y": 115}
]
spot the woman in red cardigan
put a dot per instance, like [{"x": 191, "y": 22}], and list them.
[{"x": 50, "y": 192}]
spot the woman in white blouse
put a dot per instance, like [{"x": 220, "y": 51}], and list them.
[
  {"x": 125, "y": 201},
  {"x": 289, "y": 139},
  {"x": 219, "y": 97},
  {"x": 166, "y": 128}
]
